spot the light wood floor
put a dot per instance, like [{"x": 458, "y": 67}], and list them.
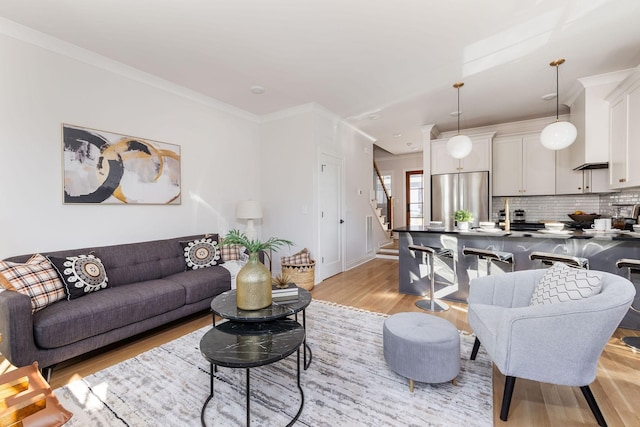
[{"x": 373, "y": 286}]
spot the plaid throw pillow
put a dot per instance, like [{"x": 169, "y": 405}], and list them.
[
  {"x": 36, "y": 278},
  {"x": 301, "y": 257},
  {"x": 230, "y": 252}
]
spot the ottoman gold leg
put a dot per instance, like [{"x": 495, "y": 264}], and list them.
[
  {"x": 454, "y": 381},
  {"x": 411, "y": 385}
]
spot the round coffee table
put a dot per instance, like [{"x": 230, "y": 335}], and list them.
[
  {"x": 248, "y": 345},
  {"x": 224, "y": 305}
]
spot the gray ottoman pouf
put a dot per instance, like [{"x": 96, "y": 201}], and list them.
[{"x": 421, "y": 347}]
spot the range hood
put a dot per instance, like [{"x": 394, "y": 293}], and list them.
[
  {"x": 590, "y": 115},
  {"x": 590, "y": 166}
]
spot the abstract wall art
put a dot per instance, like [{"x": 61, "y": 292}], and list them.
[{"x": 109, "y": 168}]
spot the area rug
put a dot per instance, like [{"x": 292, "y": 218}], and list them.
[{"x": 347, "y": 384}]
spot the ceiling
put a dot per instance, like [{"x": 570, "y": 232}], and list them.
[{"x": 395, "y": 61}]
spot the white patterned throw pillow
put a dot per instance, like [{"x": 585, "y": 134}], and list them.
[
  {"x": 562, "y": 283},
  {"x": 202, "y": 253},
  {"x": 81, "y": 274}
]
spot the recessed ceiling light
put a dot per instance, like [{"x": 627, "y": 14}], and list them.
[
  {"x": 397, "y": 135},
  {"x": 455, "y": 113},
  {"x": 373, "y": 116},
  {"x": 257, "y": 90},
  {"x": 409, "y": 144},
  {"x": 549, "y": 96}
]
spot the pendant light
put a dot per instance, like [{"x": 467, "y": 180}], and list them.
[
  {"x": 459, "y": 146},
  {"x": 558, "y": 135}
]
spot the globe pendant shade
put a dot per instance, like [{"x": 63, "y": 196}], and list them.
[
  {"x": 558, "y": 135},
  {"x": 459, "y": 146}
]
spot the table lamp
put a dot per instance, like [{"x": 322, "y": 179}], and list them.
[{"x": 249, "y": 210}]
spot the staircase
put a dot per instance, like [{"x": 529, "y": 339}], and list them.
[
  {"x": 381, "y": 218},
  {"x": 389, "y": 251}
]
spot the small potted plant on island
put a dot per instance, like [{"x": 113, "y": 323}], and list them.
[
  {"x": 463, "y": 218},
  {"x": 253, "y": 282}
]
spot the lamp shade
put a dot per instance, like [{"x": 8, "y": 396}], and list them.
[
  {"x": 249, "y": 209},
  {"x": 558, "y": 135},
  {"x": 459, "y": 146}
]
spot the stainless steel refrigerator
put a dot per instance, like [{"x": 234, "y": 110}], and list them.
[{"x": 453, "y": 191}]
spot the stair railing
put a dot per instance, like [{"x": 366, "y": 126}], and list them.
[{"x": 387, "y": 196}]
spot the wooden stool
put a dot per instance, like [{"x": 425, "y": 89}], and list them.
[
  {"x": 490, "y": 256},
  {"x": 432, "y": 304},
  {"x": 630, "y": 264},
  {"x": 549, "y": 258}
]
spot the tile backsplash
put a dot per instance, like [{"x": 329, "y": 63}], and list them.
[{"x": 558, "y": 207}]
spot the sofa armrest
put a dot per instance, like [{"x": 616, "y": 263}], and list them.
[{"x": 16, "y": 326}]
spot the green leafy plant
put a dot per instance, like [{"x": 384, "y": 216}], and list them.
[
  {"x": 235, "y": 237},
  {"x": 463, "y": 215}
]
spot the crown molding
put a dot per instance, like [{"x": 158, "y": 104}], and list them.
[{"x": 28, "y": 35}]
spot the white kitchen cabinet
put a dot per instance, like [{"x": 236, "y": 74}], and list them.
[
  {"x": 568, "y": 181},
  {"x": 618, "y": 141},
  {"x": 625, "y": 133},
  {"x": 478, "y": 160},
  {"x": 522, "y": 166}
]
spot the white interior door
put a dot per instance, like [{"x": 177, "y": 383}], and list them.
[{"x": 330, "y": 259}]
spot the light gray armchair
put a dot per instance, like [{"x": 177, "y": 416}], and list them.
[{"x": 557, "y": 343}]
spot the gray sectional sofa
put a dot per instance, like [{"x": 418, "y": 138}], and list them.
[{"x": 149, "y": 286}]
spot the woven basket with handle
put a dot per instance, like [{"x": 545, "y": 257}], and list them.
[
  {"x": 300, "y": 272},
  {"x": 303, "y": 275}
]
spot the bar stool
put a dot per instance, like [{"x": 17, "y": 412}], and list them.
[
  {"x": 490, "y": 256},
  {"x": 630, "y": 264},
  {"x": 549, "y": 258},
  {"x": 432, "y": 304}
]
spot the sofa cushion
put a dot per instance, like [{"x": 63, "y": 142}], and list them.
[
  {"x": 67, "y": 322},
  {"x": 202, "y": 283},
  {"x": 80, "y": 274},
  {"x": 36, "y": 278},
  {"x": 201, "y": 253},
  {"x": 562, "y": 283}
]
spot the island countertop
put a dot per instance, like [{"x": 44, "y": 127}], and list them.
[
  {"x": 542, "y": 233},
  {"x": 454, "y": 274}
]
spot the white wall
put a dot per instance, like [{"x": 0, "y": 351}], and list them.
[
  {"x": 358, "y": 189},
  {"x": 227, "y": 155},
  {"x": 42, "y": 88},
  {"x": 292, "y": 142},
  {"x": 288, "y": 155}
]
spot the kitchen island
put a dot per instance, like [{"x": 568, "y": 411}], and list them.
[{"x": 453, "y": 274}]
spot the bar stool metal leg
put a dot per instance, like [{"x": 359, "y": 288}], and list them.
[
  {"x": 630, "y": 264},
  {"x": 430, "y": 304}
]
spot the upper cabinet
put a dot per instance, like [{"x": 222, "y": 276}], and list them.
[
  {"x": 478, "y": 160},
  {"x": 625, "y": 133},
  {"x": 522, "y": 166}
]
